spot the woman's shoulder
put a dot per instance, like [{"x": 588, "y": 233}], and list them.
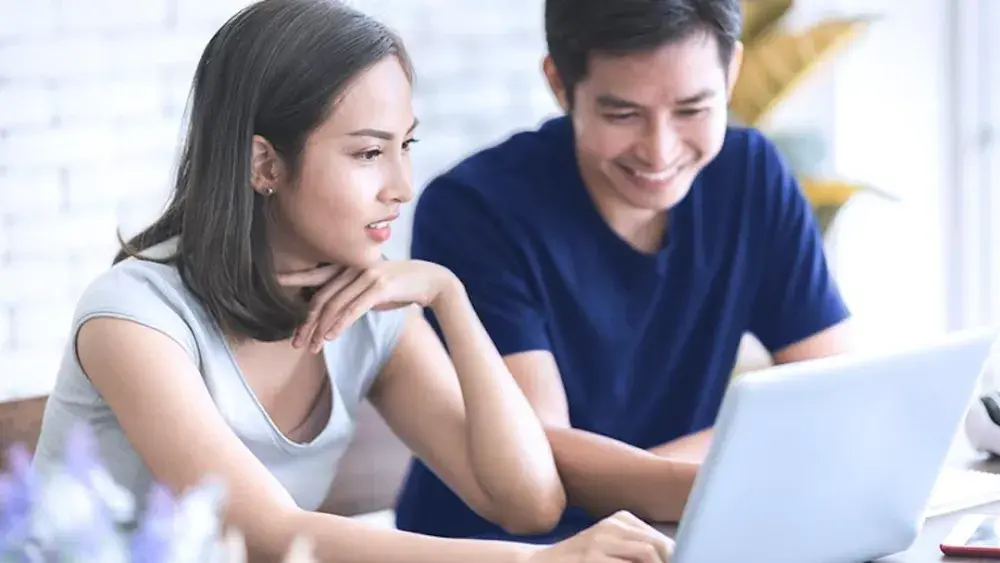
[
  {"x": 385, "y": 328},
  {"x": 147, "y": 290}
]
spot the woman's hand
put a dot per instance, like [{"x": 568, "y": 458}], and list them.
[
  {"x": 621, "y": 538},
  {"x": 348, "y": 293}
]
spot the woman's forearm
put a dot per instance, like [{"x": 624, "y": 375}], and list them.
[
  {"x": 508, "y": 449},
  {"x": 341, "y": 540}
]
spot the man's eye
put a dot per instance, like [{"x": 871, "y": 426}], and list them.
[
  {"x": 691, "y": 112},
  {"x": 620, "y": 116}
]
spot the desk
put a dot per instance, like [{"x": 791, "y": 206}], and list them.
[{"x": 925, "y": 549}]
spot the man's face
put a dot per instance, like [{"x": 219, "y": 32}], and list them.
[{"x": 646, "y": 123}]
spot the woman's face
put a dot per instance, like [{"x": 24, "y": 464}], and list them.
[{"x": 353, "y": 176}]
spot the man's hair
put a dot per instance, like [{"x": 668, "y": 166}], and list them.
[{"x": 577, "y": 29}]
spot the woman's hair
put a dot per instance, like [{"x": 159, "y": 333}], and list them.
[{"x": 275, "y": 69}]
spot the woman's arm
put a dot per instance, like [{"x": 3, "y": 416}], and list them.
[
  {"x": 468, "y": 420},
  {"x": 161, "y": 402}
]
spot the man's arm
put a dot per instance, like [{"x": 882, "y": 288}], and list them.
[
  {"x": 835, "y": 340},
  {"x": 832, "y": 341},
  {"x": 601, "y": 475},
  {"x": 798, "y": 312}
]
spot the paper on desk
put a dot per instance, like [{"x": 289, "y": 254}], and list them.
[{"x": 959, "y": 489}]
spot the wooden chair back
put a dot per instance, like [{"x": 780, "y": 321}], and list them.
[{"x": 20, "y": 422}]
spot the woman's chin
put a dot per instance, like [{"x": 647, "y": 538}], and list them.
[{"x": 362, "y": 260}]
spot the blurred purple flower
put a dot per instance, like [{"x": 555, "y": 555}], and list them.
[
  {"x": 152, "y": 540},
  {"x": 82, "y": 461},
  {"x": 18, "y": 491},
  {"x": 73, "y": 513}
]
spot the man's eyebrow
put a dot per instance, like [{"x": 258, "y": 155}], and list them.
[
  {"x": 612, "y": 101},
  {"x": 615, "y": 102},
  {"x": 697, "y": 98},
  {"x": 380, "y": 134}
]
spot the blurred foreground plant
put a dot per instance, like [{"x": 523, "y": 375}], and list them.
[{"x": 77, "y": 513}]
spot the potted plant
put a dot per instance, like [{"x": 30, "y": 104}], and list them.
[{"x": 775, "y": 62}]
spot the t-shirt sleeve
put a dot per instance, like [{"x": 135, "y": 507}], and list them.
[
  {"x": 454, "y": 227},
  {"x": 137, "y": 295},
  {"x": 386, "y": 328},
  {"x": 797, "y": 296}
]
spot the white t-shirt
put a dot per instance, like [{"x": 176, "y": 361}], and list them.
[{"x": 153, "y": 295}]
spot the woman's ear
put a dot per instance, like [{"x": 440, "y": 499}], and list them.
[{"x": 267, "y": 171}]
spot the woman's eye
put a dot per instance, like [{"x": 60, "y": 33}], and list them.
[
  {"x": 371, "y": 154},
  {"x": 408, "y": 143}
]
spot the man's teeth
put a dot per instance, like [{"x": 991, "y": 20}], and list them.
[
  {"x": 379, "y": 225},
  {"x": 658, "y": 176}
]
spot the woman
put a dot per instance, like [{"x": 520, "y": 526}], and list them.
[{"x": 237, "y": 335}]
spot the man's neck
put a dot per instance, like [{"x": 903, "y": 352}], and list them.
[{"x": 641, "y": 228}]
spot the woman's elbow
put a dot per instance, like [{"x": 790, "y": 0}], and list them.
[
  {"x": 539, "y": 514},
  {"x": 269, "y": 538}
]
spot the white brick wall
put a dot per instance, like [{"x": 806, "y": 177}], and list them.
[{"x": 91, "y": 96}]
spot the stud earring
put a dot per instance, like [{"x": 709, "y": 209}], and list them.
[{"x": 268, "y": 191}]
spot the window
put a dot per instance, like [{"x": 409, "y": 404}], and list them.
[
  {"x": 972, "y": 203},
  {"x": 989, "y": 140}
]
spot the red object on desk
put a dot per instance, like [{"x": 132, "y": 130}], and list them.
[{"x": 975, "y": 535}]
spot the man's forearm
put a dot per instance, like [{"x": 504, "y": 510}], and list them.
[
  {"x": 603, "y": 475},
  {"x": 692, "y": 447}
]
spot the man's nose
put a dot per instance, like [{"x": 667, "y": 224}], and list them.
[{"x": 659, "y": 146}]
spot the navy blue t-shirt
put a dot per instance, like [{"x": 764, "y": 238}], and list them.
[{"x": 645, "y": 343}]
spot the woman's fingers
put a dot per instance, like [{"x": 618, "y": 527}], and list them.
[
  {"x": 630, "y": 529},
  {"x": 344, "y": 307},
  {"x": 310, "y": 278},
  {"x": 636, "y": 522},
  {"x": 306, "y": 333},
  {"x": 344, "y": 316},
  {"x": 620, "y": 538},
  {"x": 633, "y": 551}
]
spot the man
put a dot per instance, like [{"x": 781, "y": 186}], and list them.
[{"x": 618, "y": 254}]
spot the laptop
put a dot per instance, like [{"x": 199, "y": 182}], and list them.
[{"x": 831, "y": 460}]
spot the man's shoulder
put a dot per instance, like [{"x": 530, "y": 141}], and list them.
[
  {"x": 748, "y": 168},
  {"x": 744, "y": 151},
  {"x": 511, "y": 173}
]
